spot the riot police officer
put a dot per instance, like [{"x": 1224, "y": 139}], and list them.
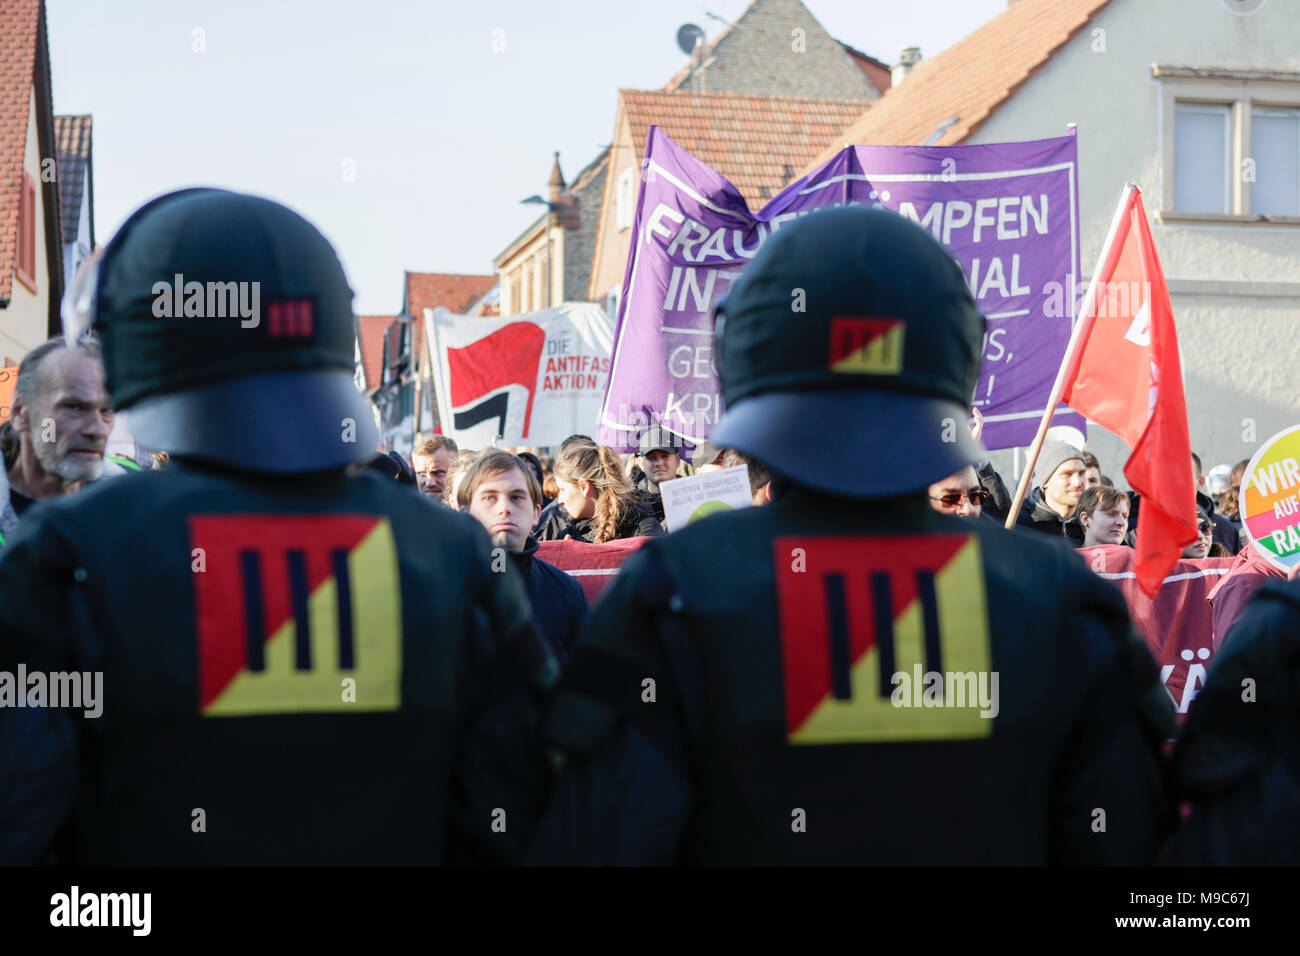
[
  {"x": 847, "y": 676},
  {"x": 296, "y": 660},
  {"x": 1238, "y": 758}
]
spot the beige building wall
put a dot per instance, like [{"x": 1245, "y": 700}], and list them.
[
  {"x": 24, "y": 322},
  {"x": 612, "y": 243},
  {"x": 1235, "y": 284},
  {"x": 523, "y": 273}
]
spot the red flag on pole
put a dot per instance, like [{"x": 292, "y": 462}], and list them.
[{"x": 1128, "y": 377}]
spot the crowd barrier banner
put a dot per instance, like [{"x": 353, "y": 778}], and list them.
[
  {"x": 592, "y": 565},
  {"x": 1175, "y": 622},
  {"x": 1008, "y": 212},
  {"x": 532, "y": 379}
]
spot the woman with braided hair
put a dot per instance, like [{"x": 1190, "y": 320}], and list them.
[{"x": 597, "y": 495}]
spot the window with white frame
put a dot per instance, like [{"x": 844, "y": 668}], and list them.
[
  {"x": 625, "y": 199},
  {"x": 1230, "y": 144},
  {"x": 1275, "y": 149},
  {"x": 1202, "y": 152}
]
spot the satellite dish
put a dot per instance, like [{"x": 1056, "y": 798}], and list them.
[{"x": 687, "y": 34}]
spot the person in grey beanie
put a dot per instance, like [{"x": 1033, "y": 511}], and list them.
[{"x": 1058, "y": 482}]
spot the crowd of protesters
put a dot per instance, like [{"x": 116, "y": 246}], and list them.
[{"x": 589, "y": 493}]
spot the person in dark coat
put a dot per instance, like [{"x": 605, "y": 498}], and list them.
[
  {"x": 1237, "y": 761},
  {"x": 304, "y": 611},
  {"x": 1058, "y": 483},
  {"x": 503, "y": 493},
  {"x": 749, "y": 689},
  {"x": 1226, "y": 532}
]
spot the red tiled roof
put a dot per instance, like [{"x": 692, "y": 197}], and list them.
[
  {"x": 457, "y": 293},
  {"x": 971, "y": 79},
  {"x": 760, "y": 143},
  {"x": 370, "y": 333},
  {"x": 19, "y": 24},
  {"x": 454, "y": 292}
]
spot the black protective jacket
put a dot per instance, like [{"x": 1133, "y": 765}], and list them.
[
  {"x": 749, "y": 690},
  {"x": 298, "y": 670},
  {"x": 1238, "y": 757}
]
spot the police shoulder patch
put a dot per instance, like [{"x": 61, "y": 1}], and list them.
[
  {"x": 884, "y": 638},
  {"x": 289, "y": 607}
]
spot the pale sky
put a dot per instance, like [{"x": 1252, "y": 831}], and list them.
[{"x": 444, "y": 134}]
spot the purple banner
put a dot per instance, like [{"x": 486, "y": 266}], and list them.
[{"x": 1007, "y": 211}]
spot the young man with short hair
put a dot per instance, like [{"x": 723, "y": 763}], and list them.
[
  {"x": 500, "y": 491},
  {"x": 1092, "y": 470},
  {"x": 1058, "y": 483}
]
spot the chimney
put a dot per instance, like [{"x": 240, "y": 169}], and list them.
[
  {"x": 907, "y": 59},
  {"x": 557, "y": 180}
]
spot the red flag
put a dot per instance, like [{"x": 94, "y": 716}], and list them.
[{"x": 1128, "y": 377}]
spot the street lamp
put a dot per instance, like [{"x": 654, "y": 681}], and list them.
[{"x": 550, "y": 209}]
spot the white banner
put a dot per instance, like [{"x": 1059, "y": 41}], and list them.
[
  {"x": 531, "y": 379},
  {"x": 698, "y": 496}
]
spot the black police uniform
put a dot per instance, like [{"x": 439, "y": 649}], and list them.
[
  {"x": 753, "y": 688},
  {"x": 302, "y": 662},
  {"x": 312, "y": 663},
  {"x": 1237, "y": 761}
]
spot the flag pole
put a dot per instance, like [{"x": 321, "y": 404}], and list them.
[{"x": 1079, "y": 334}]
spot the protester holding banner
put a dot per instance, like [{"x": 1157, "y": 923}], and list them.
[{"x": 598, "y": 497}]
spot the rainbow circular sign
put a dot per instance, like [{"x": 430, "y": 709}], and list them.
[{"x": 1269, "y": 502}]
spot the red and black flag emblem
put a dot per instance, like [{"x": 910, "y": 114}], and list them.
[
  {"x": 289, "y": 608},
  {"x": 855, "y": 612}
]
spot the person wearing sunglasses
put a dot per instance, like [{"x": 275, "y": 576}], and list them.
[
  {"x": 959, "y": 494},
  {"x": 1204, "y": 545}
]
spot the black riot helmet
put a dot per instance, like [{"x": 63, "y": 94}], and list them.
[
  {"x": 228, "y": 334},
  {"x": 865, "y": 391}
]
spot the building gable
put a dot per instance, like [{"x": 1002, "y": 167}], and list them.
[
  {"x": 24, "y": 80},
  {"x": 777, "y": 48}
]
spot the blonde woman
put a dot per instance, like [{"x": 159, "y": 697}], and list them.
[{"x": 597, "y": 495}]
